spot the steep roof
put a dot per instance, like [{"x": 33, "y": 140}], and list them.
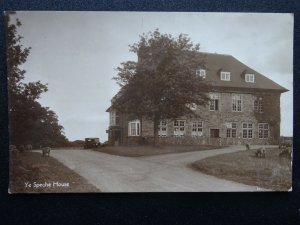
[{"x": 215, "y": 63}]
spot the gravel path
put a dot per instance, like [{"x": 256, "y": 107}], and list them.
[{"x": 160, "y": 173}]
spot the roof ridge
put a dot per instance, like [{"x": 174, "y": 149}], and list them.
[{"x": 220, "y": 54}]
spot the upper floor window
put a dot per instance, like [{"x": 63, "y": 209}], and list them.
[
  {"x": 258, "y": 105},
  {"x": 179, "y": 128},
  {"x": 197, "y": 128},
  {"x": 134, "y": 128},
  {"x": 236, "y": 103},
  {"x": 201, "y": 73},
  {"x": 114, "y": 118},
  {"x": 225, "y": 76},
  {"x": 214, "y": 101},
  {"x": 162, "y": 128},
  {"x": 249, "y": 78}
]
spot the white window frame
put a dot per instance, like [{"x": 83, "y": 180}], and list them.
[
  {"x": 197, "y": 128},
  {"x": 214, "y": 97},
  {"x": 263, "y": 130},
  {"x": 249, "y": 78},
  {"x": 237, "y": 103},
  {"x": 231, "y": 131},
  {"x": 134, "y": 127},
  {"x": 247, "y": 129},
  {"x": 114, "y": 118},
  {"x": 162, "y": 128},
  {"x": 179, "y": 128},
  {"x": 201, "y": 73},
  {"x": 258, "y": 105},
  {"x": 225, "y": 76}
]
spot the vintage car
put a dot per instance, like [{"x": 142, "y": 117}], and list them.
[{"x": 91, "y": 143}]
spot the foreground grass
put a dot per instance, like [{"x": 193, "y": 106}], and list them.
[
  {"x": 272, "y": 172},
  {"x": 32, "y": 173},
  {"x": 136, "y": 151}
]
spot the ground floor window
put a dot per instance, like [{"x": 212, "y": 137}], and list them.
[
  {"x": 197, "y": 128},
  {"x": 179, "y": 128},
  {"x": 231, "y": 130},
  {"x": 247, "y": 130},
  {"x": 134, "y": 128},
  {"x": 263, "y": 130},
  {"x": 162, "y": 128}
]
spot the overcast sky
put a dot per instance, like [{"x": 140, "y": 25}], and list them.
[{"x": 76, "y": 53}]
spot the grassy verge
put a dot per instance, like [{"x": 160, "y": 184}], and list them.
[
  {"x": 136, "y": 151},
  {"x": 32, "y": 173},
  {"x": 272, "y": 172}
]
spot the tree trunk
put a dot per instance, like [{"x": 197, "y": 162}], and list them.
[{"x": 155, "y": 130}]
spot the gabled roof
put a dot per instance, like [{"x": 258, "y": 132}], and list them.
[{"x": 215, "y": 63}]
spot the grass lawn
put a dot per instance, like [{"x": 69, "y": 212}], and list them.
[
  {"x": 135, "y": 151},
  {"x": 272, "y": 172},
  {"x": 32, "y": 169}
]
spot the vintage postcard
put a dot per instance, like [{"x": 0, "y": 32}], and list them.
[{"x": 149, "y": 101}]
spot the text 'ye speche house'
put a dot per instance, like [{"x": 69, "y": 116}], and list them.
[{"x": 244, "y": 108}]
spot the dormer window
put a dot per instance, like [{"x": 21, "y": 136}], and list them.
[
  {"x": 225, "y": 76},
  {"x": 249, "y": 78},
  {"x": 201, "y": 73}
]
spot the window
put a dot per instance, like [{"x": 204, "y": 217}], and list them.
[
  {"x": 231, "y": 130},
  {"x": 114, "y": 118},
  {"x": 263, "y": 130},
  {"x": 214, "y": 105},
  {"x": 225, "y": 76},
  {"x": 197, "y": 128},
  {"x": 249, "y": 78},
  {"x": 247, "y": 130},
  {"x": 134, "y": 128},
  {"x": 179, "y": 128},
  {"x": 214, "y": 101},
  {"x": 236, "y": 103},
  {"x": 258, "y": 105},
  {"x": 201, "y": 73},
  {"x": 162, "y": 128}
]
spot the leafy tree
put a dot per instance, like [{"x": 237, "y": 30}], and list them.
[
  {"x": 162, "y": 84},
  {"x": 29, "y": 121}
]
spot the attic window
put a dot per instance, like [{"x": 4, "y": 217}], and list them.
[
  {"x": 225, "y": 76},
  {"x": 249, "y": 78},
  {"x": 201, "y": 73}
]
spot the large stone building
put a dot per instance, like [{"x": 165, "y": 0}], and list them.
[{"x": 244, "y": 108}]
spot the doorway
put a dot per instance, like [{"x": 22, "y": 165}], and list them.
[{"x": 214, "y": 133}]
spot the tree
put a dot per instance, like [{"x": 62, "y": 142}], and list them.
[
  {"x": 29, "y": 121},
  {"x": 162, "y": 84}
]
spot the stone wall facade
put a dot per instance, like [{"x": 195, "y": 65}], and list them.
[{"x": 216, "y": 123}]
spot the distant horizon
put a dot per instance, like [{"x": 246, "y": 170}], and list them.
[{"x": 76, "y": 53}]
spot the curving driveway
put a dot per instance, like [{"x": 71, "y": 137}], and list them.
[{"x": 160, "y": 173}]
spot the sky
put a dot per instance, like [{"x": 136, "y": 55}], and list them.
[{"x": 77, "y": 53}]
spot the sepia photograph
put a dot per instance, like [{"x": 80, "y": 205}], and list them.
[{"x": 149, "y": 101}]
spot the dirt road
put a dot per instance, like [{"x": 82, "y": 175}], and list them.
[{"x": 160, "y": 173}]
